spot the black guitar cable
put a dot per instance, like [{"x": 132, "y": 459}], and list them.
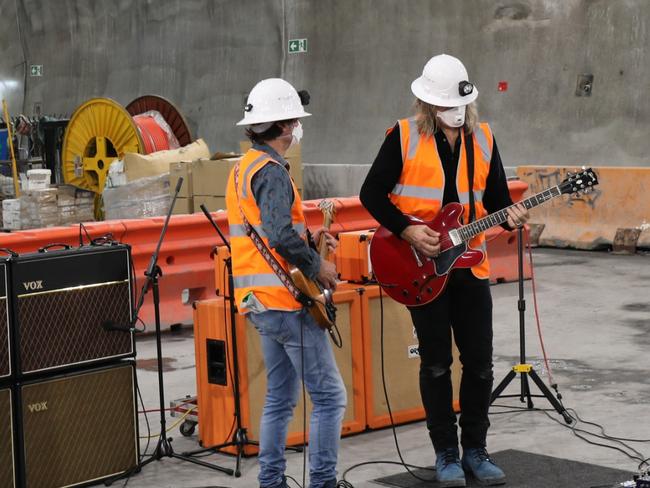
[{"x": 344, "y": 483}]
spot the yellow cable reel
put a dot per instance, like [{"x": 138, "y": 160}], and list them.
[{"x": 99, "y": 132}]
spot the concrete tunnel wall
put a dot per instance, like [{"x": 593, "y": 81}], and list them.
[{"x": 205, "y": 55}]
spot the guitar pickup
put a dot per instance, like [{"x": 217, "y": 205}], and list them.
[{"x": 455, "y": 237}]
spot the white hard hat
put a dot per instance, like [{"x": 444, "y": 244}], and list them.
[
  {"x": 271, "y": 100},
  {"x": 444, "y": 83}
]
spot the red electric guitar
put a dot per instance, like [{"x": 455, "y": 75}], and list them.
[{"x": 411, "y": 278}]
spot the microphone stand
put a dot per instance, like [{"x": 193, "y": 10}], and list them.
[
  {"x": 163, "y": 447},
  {"x": 524, "y": 369},
  {"x": 240, "y": 436}
]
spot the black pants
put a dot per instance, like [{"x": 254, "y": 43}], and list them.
[{"x": 466, "y": 307}]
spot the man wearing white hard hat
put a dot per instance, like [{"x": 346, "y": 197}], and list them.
[
  {"x": 267, "y": 225},
  {"x": 441, "y": 155}
]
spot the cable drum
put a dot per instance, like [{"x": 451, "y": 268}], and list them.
[
  {"x": 155, "y": 132},
  {"x": 101, "y": 131}
]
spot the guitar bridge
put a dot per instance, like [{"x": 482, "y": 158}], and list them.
[{"x": 455, "y": 237}]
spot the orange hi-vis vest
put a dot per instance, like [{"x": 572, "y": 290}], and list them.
[
  {"x": 251, "y": 272},
  {"x": 421, "y": 185}
]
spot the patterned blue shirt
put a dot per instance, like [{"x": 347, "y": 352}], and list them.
[{"x": 273, "y": 193}]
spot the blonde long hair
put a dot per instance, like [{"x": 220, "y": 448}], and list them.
[{"x": 425, "y": 115}]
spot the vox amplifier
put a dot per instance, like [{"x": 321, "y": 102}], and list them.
[
  {"x": 64, "y": 305},
  {"x": 7, "y": 472},
  {"x": 77, "y": 428},
  {"x": 5, "y": 339}
]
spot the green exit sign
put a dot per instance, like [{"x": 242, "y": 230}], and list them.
[
  {"x": 36, "y": 70},
  {"x": 297, "y": 46}
]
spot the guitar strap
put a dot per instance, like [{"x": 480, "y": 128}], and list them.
[
  {"x": 469, "y": 153},
  {"x": 277, "y": 268}
]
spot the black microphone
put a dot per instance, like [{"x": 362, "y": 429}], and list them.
[
  {"x": 109, "y": 325},
  {"x": 179, "y": 184}
]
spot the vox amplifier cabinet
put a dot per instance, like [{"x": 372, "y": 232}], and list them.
[
  {"x": 215, "y": 372},
  {"x": 7, "y": 464},
  {"x": 78, "y": 428},
  {"x": 5, "y": 339},
  {"x": 66, "y": 305},
  {"x": 401, "y": 362}
]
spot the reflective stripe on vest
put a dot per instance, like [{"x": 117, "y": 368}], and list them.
[
  {"x": 463, "y": 196},
  {"x": 246, "y": 281},
  {"x": 417, "y": 192},
  {"x": 244, "y": 177}
]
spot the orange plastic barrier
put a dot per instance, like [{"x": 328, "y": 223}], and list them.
[
  {"x": 186, "y": 255},
  {"x": 591, "y": 220},
  {"x": 216, "y": 402}
]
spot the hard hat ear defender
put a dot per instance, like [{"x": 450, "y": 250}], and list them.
[{"x": 304, "y": 97}]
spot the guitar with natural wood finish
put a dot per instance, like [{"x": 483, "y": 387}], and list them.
[
  {"x": 413, "y": 279},
  {"x": 323, "y": 310}
]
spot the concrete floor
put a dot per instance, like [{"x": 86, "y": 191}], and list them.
[{"x": 595, "y": 314}]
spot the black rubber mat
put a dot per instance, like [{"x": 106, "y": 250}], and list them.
[{"x": 527, "y": 470}]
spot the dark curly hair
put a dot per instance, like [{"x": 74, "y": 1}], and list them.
[{"x": 269, "y": 134}]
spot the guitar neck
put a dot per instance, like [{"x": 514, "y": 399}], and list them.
[
  {"x": 323, "y": 250},
  {"x": 466, "y": 232}
]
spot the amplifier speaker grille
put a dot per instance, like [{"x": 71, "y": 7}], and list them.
[
  {"x": 7, "y": 477},
  {"x": 79, "y": 428},
  {"x": 5, "y": 368},
  {"x": 64, "y": 327}
]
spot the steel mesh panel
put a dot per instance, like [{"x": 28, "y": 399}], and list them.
[
  {"x": 85, "y": 431},
  {"x": 65, "y": 327},
  {"x": 4, "y": 339},
  {"x": 6, "y": 440}
]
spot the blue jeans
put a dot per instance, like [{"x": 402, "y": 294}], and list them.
[{"x": 282, "y": 334}]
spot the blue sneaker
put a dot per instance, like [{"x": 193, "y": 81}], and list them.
[
  {"x": 477, "y": 462},
  {"x": 449, "y": 472}
]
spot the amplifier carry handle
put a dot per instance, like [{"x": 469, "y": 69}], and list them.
[
  {"x": 55, "y": 244},
  {"x": 11, "y": 253}
]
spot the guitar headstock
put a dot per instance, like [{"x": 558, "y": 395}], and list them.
[
  {"x": 328, "y": 209},
  {"x": 582, "y": 181}
]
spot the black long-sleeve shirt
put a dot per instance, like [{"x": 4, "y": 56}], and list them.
[{"x": 387, "y": 168}]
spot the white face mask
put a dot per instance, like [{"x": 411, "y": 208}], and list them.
[
  {"x": 296, "y": 134},
  {"x": 454, "y": 117}
]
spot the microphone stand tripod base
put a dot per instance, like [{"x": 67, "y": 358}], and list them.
[{"x": 524, "y": 369}]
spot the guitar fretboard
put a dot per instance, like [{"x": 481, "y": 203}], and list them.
[{"x": 466, "y": 232}]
